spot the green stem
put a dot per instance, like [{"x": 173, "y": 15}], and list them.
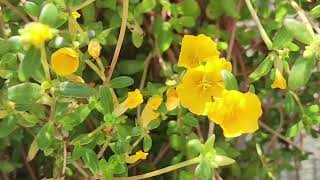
[
  {"x": 162, "y": 171},
  {"x": 125, "y": 9},
  {"x": 303, "y": 16},
  {"x": 104, "y": 147},
  {"x": 296, "y": 97},
  {"x": 136, "y": 142},
  {"x": 96, "y": 69},
  {"x": 261, "y": 30},
  {"x": 15, "y": 10},
  {"x": 97, "y": 129},
  {"x": 82, "y": 5},
  {"x": 101, "y": 66},
  {"x": 44, "y": 62}
]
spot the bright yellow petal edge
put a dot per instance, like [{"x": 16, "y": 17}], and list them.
[
  {"x": 236, "y": 112},
  {"x": 279, "y": 81},
  {"x": 65, "y": 61}
]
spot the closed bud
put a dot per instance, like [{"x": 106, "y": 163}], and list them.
[{"x": 94, "y": 48}]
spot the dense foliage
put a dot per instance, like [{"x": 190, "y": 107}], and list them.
[{"x": 135, "y": 89}]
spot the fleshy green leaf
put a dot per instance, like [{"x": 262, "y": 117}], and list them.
[
  {"x": 73, "y": 119},
  {"x": 315, "y": 12},
  {"x": 229, "y": 80},
  {"x": 106, "y": 101},
  {"x": 32, "y": 9},
  {"x": 49, "y": 14},
  {"x": 25, "y": 93},
  {"x": 121, "y": 82},
  {"x": 300, "y": 72},
  {"x": 203, "y": 170},
  {"x": 147, "y": 143},
  {"x": 263, "y": 69},
  {"x": 90, "y": 159},
  {"x": 298, "y": 31},
  {"x": 45, "y": 136},
  {"x": 78, "y": 90},
  {"x": 7, "y": 125}
]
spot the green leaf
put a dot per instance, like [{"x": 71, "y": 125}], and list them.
[
  {"x": 294, "y": 130},
  {"x": 45, "y": 136},
  {"x": 137, "y": 39},
  {"x": 289, "y": 103},
  {"x": 203, "y": 170},
  {"x": 49, "y": 14},
  {"x": 130, "y": 67},
  {"x": 90, "y": 159},
  {"x": 223, "y": 160},
  {"x": 145, "y": 6},
  {"x": 32, "y": 9},
  {"x": 105, "y": 169},
  {"x": 106, "y": 101},
  {"x": 196, "y": 145},
  {"x": 298, "y": 31},
  {"x": 6, "y": 166},
  {"x": 315, "y": 12},
  {"x": 300, "y": 72},
  {"x": 263, "y": 69},
  {"x": 121, "y": 82},
  {"x": 7, "y": 125},
  {"x": 189, "y": 8},
  {"x": 229, "y": 80},
  {"x": 33, "y": 150},
  {"x": 190, "y": 120},
  {"x": 89, "y": 13},
  {"x": 147, "y": 143},
  {"x": 75, "y": 118},
  {"x": 77, "y": 90},
  {"x": 214, "y": 10},
  {"x": 111, "y": 4},
  {"x": 230, "y": 7},
  {"x": 29, "y": 64},
  {"x": 163, "y": 34},
  {"x": 25, "y": 93},
  {"x": 282, "y": 39}
]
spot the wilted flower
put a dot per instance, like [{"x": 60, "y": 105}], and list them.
[
  {"x": 172, "y": 99},
  {"x": 134, "y": 158},
  {"x": 148, "y": 114},
  {"x": 196, "y": 50},
  {"x": 65, "y": 61},
  {"x": 94, "y": 48},
  {"x": 236, "y": 112},
  {"x": 279, "y": 81}
]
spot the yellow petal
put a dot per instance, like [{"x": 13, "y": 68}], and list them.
[
  {"x": 65, "y": 61},
  {"x": 75, "y": 15},
  {"x": 172, "y": 99},
  {"x": 195, "y": 50},
  {"x": 134, "y": 99},
  {"x": 94, "y": 48},
  {"x": 134, "y": 158},
  {"x": 202, "y": 84},
  {"x": 36, "y": 33},
  {"x": 75, "y": 78},
  {"x": 154, "y": 102},
  {"x": 279, "y": 81},
  {"x": 148, "y": 115},
  {"x": 237, "y": 113}
]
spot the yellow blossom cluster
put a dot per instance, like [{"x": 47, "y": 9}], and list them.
[{"x": 202, "y": 89}]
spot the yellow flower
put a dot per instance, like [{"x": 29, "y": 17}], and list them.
[
  {"x": 65, "y": 61},
  {"x": 36, "y": 34},
  {"x": 202, "y": 83},
  {"x": 75, "y": 78},
  {"x": 195, "y": 50},
  {"x": 172, "y": 99},
  {"x": 94, "y": 48},
  {"x": 148, "y": 114},
  {"x": 236, "y": 112},
  {"x": 134, "y": 158},
  {"x": 279, "y": 81},
  {"x": 134, "y": 99},
  {"x": 75, "y": 15}
]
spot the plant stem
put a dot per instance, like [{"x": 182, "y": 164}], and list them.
[
  {"x": 125, "y": 9},
  {"x": 136, "y": 142},
  {"x": 296, "y": 97},
  {"x": 96, "y": 69},
  {"x": 261, "y": 30},
  {"x": 64, "y": 167},
  {"x": 100, "y": 65},
  {"x": 44, "y": 63},
  {"x": 162, "y": 171},
  {"x": 303, "y": 16},
  {"x": 97, "y": 129},
  {"x": 104, "y": 147},
  {"x": 267, "y": 128},
  {"x": 211, "y": 129},
  {"x": 82, "y": 5},
  {"x": 15, "y": 10},
  {"x": 143, "y": 80}
]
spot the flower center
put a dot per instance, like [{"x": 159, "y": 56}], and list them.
[{"x": 204, "y": 84}]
